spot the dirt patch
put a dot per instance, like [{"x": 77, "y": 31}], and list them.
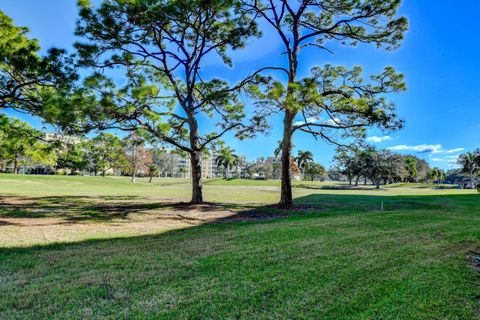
[{"x": 27, "y": 221}]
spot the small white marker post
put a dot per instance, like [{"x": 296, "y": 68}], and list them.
[{"x": 381, "y": 205}]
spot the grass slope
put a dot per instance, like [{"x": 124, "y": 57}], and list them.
[{"x": 338, "y": 259}]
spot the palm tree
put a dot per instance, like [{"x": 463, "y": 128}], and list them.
[
  {"x": 411, "y": 167},
  {"x": 437, "y": 174},
  {"x": 470, "y": 165},
  {"x": 277, "y": 152},
  {"x": 226, "y": 159},
  {"x": 303, "y": 158}
]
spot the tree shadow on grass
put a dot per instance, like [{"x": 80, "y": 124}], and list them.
[
  {"x": 204, "y": 262},
  {"x": 15, "y": 211},
  {"x": 81, "y": 209},
  {"x": 73, "y": 208},
  {"x": 78, "y": 209}
]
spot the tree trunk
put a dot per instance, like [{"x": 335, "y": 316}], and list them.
[
  {"x": 134, "y": 162},
  {"x": 356, "y": 181},
  {"x": 286, "y": 196},
  {"x": 151, "y": 177},
  {"x": 195, "y": 159},
  {"x": 15, "y": 166},
  {"x": 197, "y": 194}
]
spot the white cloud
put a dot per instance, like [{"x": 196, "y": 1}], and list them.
[
  {"x": 422, "y": 148},
  {"x": 457, "y": 150},
  {"x": 376, "y": 139},
  {"x": 452, "y": 157},
  {"x": 438, "y": 159},
  {"x": 332, "y": 122},
  {"x": 309, "y": 120}
]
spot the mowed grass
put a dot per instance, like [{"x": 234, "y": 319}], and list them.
[{"x": 338, "y": 257}]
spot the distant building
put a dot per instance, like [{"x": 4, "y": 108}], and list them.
[
  {"x": 50, "y": 137},
  {"x": 175, "y": 165}
]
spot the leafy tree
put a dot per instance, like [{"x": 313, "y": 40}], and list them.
[
  {"x": 17, "y": 141},
  {"x": 40, "y": 154},
  {"x": 332, "y": 99},
  {"x": 105, "y": 152},
  {"x": 71, "y": 157},
  {"x": 398, "y": 171},
  {"x": 28, "y": 81},
  {"x": 135, "y": 153},
  {"x": 314, "y": 171},
  {"x": 353, "y": 163},
  {"x": 423, "y": 170},
  {"x": 455, "y": 176},
  {"x": 334, "y": 174},
  {"x": 380, "y": 166},
  {"x": 347, "y": 163},
  {"x": 469, "y": 162},
  {"x": 226, "y": 159},
  {"x": 162, "y": 46},
  {"x": 162, "y": 160}
]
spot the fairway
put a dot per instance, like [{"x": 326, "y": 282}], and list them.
[{"x": 92, "y": 247}]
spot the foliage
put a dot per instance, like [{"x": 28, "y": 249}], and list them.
[
  {"x": 28, "y": 81},
  {"x": 153, "y": 170},
  {"x": 161, "y": 47},
  {"x": 333, "y": 102},
  {"x": 18, "y": 142},
  {"x": 380, "y": 166},
  {"x": 411, "y": 167},
  {"x": 470, "y": 164},
  {"x": 135, "y": 153},
  {"x": 314, "y": 171},
  {"x": 71, "y": 157},
  {"x": 104, "y": 152},
  {"x": 437, "y": 174}
]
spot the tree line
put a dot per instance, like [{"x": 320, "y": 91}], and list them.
[
  {"x": 380, "y": 166},
  {"x": 470, "y": 166},
  {"x": 28, "y": 150},
  {"x": 158, "y": 50}
]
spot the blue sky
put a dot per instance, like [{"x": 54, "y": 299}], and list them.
[{"x": 439, "y": 58}]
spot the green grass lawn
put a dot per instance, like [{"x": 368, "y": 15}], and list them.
[{"x": 92, "y": 247}]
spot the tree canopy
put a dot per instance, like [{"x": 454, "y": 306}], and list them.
[
  {"x": 161, "y": 47},
  {"x": 28, "y": 81},
  {"x": 332, "y": 98}
]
